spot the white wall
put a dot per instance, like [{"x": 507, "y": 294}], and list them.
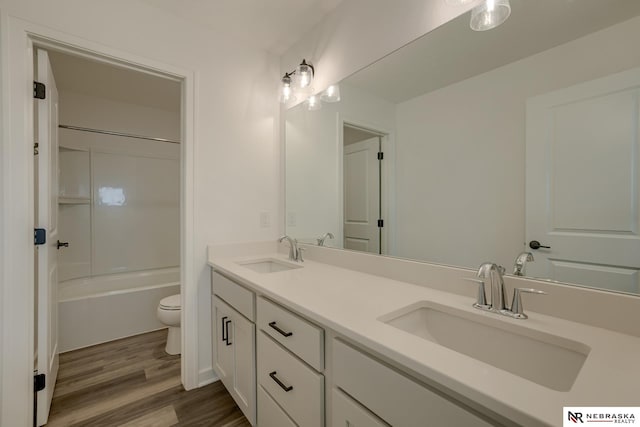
[
  {"x": 99, "y": 113},
  {"x": 461, "y": 184},
  {"x": 314, "y": 160},
  {"x": 149, "y": 221},
  {"x": 236, "y": 151}
]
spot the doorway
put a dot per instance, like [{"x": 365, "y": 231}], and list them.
[
  {"x": 363, "y": 204},
  {"x": 107, "y": 198}
]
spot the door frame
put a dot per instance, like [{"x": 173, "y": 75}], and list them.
[
  {"x": 18, "y": 38},
  {"x": 387, "y": 197}
]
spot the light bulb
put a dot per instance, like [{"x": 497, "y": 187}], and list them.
[
  {"x": 286, "y": 91},
  {"x": 490, "y": 14},
  {"x": 304, "y": 74},
  {"x": 313, "y": 103},
  {"x": 332, "y": 94}
]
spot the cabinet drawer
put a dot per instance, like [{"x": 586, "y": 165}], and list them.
[
  {"x": 347, "y": 412},
  {"x": 237, "y": 296},
  {"x": 303, "y": 338},
  {"x": 269, "y": 413},
  {"x": 304, "y": 400},
  {"x": 392, "y": 396}
]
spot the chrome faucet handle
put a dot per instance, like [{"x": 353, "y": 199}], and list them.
[
  {"x": 517, "y": 311},
  {"x": 520, "y": 263},
  {"x": 293, "y": 247},
  {"x": 481, "y": 299},
  {"x": 300, "y": 258}
]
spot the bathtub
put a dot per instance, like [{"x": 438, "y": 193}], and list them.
[{"x": 94, "y": 310}]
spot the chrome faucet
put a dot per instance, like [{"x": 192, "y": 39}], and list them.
[
  {"x": 493, "y": 273},
  {"x": 521, "y": 263},
  {"x": 295, "y": 253},
  {"x": 323, "y": 238}
]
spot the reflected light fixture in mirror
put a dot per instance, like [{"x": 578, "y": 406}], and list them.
[
  {"x": 332, "y": 94},
  {"x": 313, "y": 103},
  {"x": 489, "y": 14},
  {"x": 458, "y": 2}
]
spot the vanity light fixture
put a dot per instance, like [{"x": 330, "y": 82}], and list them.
[
  {"x": 298, "y": 79},
  {"x": 489, "y": 14},
  {"x": 286, "y": 91}
]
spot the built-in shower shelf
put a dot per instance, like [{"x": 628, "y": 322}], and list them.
[{"x": 74, "y": 200}]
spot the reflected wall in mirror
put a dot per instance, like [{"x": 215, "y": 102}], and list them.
[{"x": 492, "y": 142}]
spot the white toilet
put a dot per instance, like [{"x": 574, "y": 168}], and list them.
[{"x": 169, "y": 311}]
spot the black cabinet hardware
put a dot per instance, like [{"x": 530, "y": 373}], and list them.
[
  {"x": 226, "y": 327},
  {"x": 224, "y": 334},
  {"x": 283, "y": 333},
  {"x": 62, "y": 245},
  {"x": 280, "y": 383}
]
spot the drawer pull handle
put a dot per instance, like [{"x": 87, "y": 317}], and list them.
[
  {"x": 280, "y": 383},
  {"x": 224, "y": 335},
  {"x": 283, "y": 333},
  {"x": 226, "y": 326}
]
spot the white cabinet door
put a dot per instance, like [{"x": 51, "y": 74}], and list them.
[
  {"x": 222, "y": 352},
  {"x": 583, "y": 197},
  {"x": 234, "y": 355},
  {"x": 347, "y": 413},
  {"x": 242, "y": 336}
]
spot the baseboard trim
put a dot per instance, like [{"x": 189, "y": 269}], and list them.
[{"x": 206, "y": 376}]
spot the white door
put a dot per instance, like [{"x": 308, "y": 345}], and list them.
[
  {"x": 242, "y": 336},
  {"x": 362, "y": 196},
  {"x": 222, "y": 352},
  {"x": 47, "y": 254},
  {"x": 582, "y": 188}
]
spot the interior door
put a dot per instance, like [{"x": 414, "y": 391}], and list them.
[
  {"x": 362, "y": 196},
  {"x": 582, "y": 196},
  {"x": 47, "y": 218}
]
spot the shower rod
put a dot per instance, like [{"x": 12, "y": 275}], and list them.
[{"x": 110, "y": 132}]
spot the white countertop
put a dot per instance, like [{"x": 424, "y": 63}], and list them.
[{"x": 350, "y": 303}]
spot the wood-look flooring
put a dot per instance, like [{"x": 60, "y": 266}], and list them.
[{"x": 133, "y": 382}]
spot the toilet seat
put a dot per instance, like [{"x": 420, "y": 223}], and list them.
[{"x": 172, "y": 302}]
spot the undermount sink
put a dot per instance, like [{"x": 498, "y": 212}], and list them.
[
  {"x": 548, "y": 360},
  {"x": 268, "y": 265}
]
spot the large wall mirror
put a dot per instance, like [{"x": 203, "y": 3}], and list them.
[{"x": 492, "y": 141}]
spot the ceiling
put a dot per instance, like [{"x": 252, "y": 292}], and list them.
[
  {"x": 87, "y": 77},
  {"x": 273, "y": 25},
  {"x": 454, "y": 52}
]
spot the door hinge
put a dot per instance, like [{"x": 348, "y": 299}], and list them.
[
  {"x": 35, "y": 149},
  {"x": 39, "y": 382},
  {"x": 380, "y": 155},
  {"x": 39, "y": 90},
  {"x": 39, "y": 236},
  {"x": 380, "y": 223}
]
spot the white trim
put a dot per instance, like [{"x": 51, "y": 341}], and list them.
[
  {"x": 207, "y": 376},
  {"x": 17, "y": 285}
]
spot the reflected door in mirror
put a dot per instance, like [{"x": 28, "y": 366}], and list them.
[
  {"x": 362, "y": 196},
  {"x": 582, "y": 182}
]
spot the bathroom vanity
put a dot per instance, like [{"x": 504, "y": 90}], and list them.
[{"x": 317, "y": 344}]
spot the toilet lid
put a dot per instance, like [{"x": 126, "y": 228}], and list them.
[{"x": 171, "y": 303}]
